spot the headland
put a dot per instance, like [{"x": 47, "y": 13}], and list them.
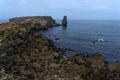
[{"x": 25, "y": 55}]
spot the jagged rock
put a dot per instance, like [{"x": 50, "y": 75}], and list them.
[
  {"x": 96, "y": 61},
  {"x": 75, "y": 59},
  {"x": 36, "y": 22},
  {"x": 64, "y": 21},
  {"x": 54, "y": 66},
  {"x": 78, "y": 77},
  {"x": 114, "y": 67},
  {"x": 72, "y": 69}
]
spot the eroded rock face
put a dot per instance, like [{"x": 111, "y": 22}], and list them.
[
  {"x": 75, "y": 59},
  {"x": 114, "y": 67},
  {"x": 24, "y": 53},
  {"x": 36, "y": 22},
  {"x": 96, "y": 61}
]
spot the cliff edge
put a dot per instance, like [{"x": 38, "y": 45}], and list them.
[{"x": 36, "y": 22}]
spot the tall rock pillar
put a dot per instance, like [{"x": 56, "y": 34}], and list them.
[{"x": 64, "y": 21}]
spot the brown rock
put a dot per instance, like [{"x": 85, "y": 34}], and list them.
[
  {"x": 26, "y": 73},
  {"x": 41, "y": 21},
  {"x": 114, "y": 67},
  {"x": 35, "y": 65},
  {"x": 78, "y": 77},
  {"x": 96, "y": 61},
  {"x": 23, "y": 71},
  {"x": 75, "y": 59},
  {"x": 51, "y": 55},
  {"x": 83, "y": 70},
  {"x": 53, "y": 65}
]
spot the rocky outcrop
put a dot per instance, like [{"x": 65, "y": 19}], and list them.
[
  {"x": 64, "y": 21},
  {"x": 97, "y": 61},
  {"x": 36, "y": 22},
  {"x": 114, "y": 67},
  {"x": 24, "y": 55}
]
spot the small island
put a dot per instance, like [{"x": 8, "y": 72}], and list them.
[{"x": 25, "y": 55}]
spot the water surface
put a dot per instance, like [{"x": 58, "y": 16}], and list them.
[{"x": 80, "y": 34}]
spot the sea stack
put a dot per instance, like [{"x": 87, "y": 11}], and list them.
[{"x": 64, "y": 21}]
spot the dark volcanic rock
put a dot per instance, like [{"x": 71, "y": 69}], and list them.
[
  {"x": 56, "y": 38},
  {"x": 64, "y": 21}
]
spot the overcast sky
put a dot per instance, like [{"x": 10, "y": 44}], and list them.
[{"x": 74, "y": 9}]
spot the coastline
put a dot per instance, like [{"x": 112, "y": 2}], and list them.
[{"x": 25, "y": 55}]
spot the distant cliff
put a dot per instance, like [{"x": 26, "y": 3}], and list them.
[{"x": 35, "y": 21}]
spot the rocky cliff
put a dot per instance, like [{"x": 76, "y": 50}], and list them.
[
  {"x": 35, "y": 22},
  {"x": 25, "y": 55}
]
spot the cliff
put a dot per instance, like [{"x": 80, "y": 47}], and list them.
[
  {"x": 35, "y": 22},
  {"x": 25, "y": 55}
]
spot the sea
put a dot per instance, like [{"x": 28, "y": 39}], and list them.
[
  {"x": 4, "y": 20},
  {"x": 88, "y": 37}
]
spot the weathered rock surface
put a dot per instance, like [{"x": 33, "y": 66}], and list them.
[
  {"x": 36, "y": 22},
  {"x": 64, "y": 21},
  {"x": 96, "y": 61},
  {"x": 114, "y": 67},
  {"x": 28, "y": 56}
]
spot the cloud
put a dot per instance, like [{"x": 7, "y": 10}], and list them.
[
  {"x": 58, "y": 7},
  {"x": 59, "y": 4},
  {"x": 78, "y": 4}
]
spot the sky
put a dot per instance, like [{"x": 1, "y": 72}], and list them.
[{"x": 74, "y": 9}]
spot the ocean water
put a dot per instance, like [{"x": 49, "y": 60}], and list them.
[
  {"x": 4, "y": 20},
  {"x": 81, "y": 37}
]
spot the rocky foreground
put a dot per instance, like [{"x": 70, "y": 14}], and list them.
[{"x": 24, "y": 55}]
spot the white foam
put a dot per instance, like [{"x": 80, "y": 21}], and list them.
[{"x": 100, "y": 40}]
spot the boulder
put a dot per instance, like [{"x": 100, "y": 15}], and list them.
[
  {"x": 114, "y": 67},
  {"x": 96, "y": 61},
  {"x": 78, "y": 77},
  {"x": 75, "y": 59}
]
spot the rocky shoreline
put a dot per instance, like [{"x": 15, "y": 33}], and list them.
[{"x": 25, "y": 55}]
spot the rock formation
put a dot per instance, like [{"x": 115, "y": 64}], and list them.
[
  {"x": 36, "y": 22},
  {"x": 25, "y": 55},
  {"x": 64, "y": 21}
]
